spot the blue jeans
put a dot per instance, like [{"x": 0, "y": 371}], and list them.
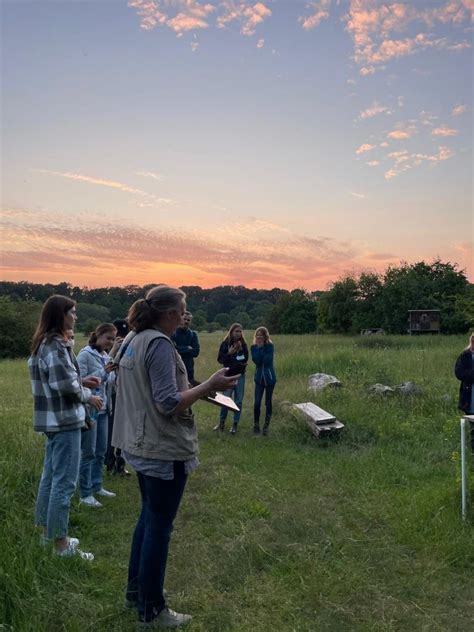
[
  {"x": 237, "y": 394},
  {"x": 58, "y": 481},
  {"x": 259, "y": 390},
  {"x": 93, "y": 449},
  {"x": 150, "y": 542}
]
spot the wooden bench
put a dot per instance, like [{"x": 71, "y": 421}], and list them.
[{"x": 320, "y": 422}]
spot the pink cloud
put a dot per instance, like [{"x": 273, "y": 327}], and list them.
[
  {"x": 183, "y": 22},
  {"x": 362, "y": 149},
  {"x": 404, "y": 161},
  {"x": 398, "y": 134},
  {"x": 373, "y": 110},
  {"x": 94, "y": 180},
  {"x": 189, "y": 14},
  {"x": 371, "y": 25},
  {"x": 320, "y": 12},
  {"x": 444, "y": 131},
  {"x": 48, "y": 247},
  {"x": 250, "y": 16},
  {"x": 145, "y": 199},
  {"x": 459, "y": 109}
]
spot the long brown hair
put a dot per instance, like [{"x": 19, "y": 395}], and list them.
[
  {"x": 264, "y": 332},
  {"x": 51, "y": 320},
  {"x": 229, "y": 334},
  {"x": 103, "y": 328},
  {"x": 146, "y": 312}
]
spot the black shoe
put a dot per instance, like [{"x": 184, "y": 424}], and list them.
[
  {"x": 122, "y": 472},
  {"x": 220, "y": 426},
  {"x": 256, "y": 429},
  {"x": 233, "y": 430}
]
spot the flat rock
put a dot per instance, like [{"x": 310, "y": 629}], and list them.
[
  {"x": 320, "y": 381},
  {"x": 408, "y": 388},
  {"x": 380, "y": 389}
]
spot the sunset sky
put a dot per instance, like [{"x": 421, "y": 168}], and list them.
[{"x": 280, "y": 143}]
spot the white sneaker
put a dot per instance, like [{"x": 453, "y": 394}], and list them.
[
  {"x": 44, "y": 541},
  {"x": 167, "y": 619},
  {"x": 106, "y": 493},
  {"x": 90, "y": 501},
  {"x": 70, "y": 551}
]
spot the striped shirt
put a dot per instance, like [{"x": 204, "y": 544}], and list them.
[{"x": 58, "y": 396}]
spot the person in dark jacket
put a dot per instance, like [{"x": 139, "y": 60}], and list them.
[
  {"x": 464, "y": 371},
  {"x": 264, "y": 378},
  {"x": 187, "y": 344},
  {"x": 233, "y": 354}
]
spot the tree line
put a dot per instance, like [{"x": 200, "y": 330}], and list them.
[{"x": 352, "y": 303}]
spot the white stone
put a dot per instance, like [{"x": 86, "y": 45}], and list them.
[{"x": 320, "y": 381}]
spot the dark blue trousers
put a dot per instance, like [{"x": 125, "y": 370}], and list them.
[
  {"x": 259, "y": 390},
  {"x": 150, "y": 542}
]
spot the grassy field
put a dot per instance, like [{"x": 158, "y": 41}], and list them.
[{"x": 283, "y": 533}]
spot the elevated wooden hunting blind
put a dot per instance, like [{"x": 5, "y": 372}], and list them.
[{"x": 423, "y": 321}]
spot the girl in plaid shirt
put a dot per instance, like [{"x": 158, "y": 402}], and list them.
[{"x": 59, "y": 395}]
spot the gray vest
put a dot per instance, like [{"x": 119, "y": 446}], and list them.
[{"x": 139, "y": 427}]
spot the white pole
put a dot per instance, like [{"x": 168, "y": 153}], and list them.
[{"x": 463, "y": 469}]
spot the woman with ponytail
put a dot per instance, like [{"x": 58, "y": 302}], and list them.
[
  {"x": 94, "y": 359},
  {"x": 154, "y": 427}
]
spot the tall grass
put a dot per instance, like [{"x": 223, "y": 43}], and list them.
[{"x": 280, "y": 533}]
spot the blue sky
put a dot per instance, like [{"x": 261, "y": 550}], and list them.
[{"x": 277, "y": 143}]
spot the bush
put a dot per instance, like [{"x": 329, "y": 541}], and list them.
[{"x": 18, "y": 320}]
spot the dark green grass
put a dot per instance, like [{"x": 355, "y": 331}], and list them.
[{"x": 277, "y": 534}]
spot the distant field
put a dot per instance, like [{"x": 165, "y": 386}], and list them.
[{"x": 278, "y": 534}]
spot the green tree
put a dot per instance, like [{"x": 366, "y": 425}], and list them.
[
  {"x": 88, "y": 313},
  {"x": 294, "y": 313},
  {"x": 423, "y": 286},
  {"x": 18, "y": 321},
  {"x": 337, "y": 307}
]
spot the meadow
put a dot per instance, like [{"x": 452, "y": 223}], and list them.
[{"x": 284, "y": 533}]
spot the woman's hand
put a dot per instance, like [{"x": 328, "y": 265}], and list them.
[
  {"x": 95, "y": 402},
  {"x": 235, "y": 347},
  {"x": 116, "y": 346},
  {"x": 220, "y": 381},
  {"x": 91, "y": 381}
]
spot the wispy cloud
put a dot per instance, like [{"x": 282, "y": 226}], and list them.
[
  {"x": 398, "y": 134},
  {"x": 248, "y": 15},
  {"x": 112, "y": 184},
  {"x": 359, "y": 196},
  {"x": 373, "y": 110},
  {"x": 319, "y": 11},
  {"x": 365, "y": 147},
  {"x": 47, "y": 246},
  {"x": 372, "y": 25},
  {"x": 459, "y": 109},
  {"x": 150, "y": 174},
  {"x": 428, "y": 118},
  {"x": 144, "y": 199},
  {"x": 260, "y": 43},
  {"x": 188, "y": 14},
  {"x": 404, "y": 160},
  {"x": 444, "y": 131},
  {"x": 373, "y": 163}
]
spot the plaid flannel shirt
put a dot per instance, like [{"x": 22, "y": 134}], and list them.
[{"x": 58, "y": 395}]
